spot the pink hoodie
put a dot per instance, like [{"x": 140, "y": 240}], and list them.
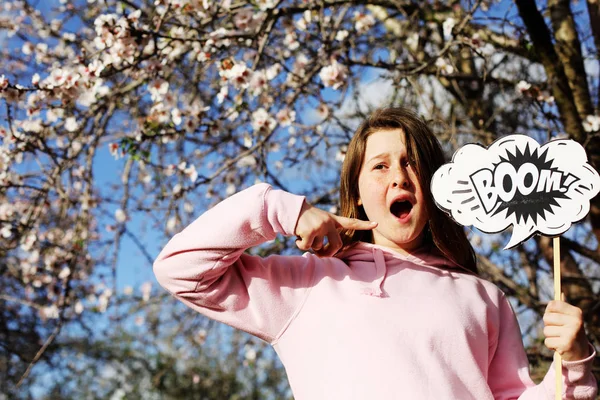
[{"x": 371, "y": 324}]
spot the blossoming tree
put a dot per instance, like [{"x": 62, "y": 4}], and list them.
[{"x": 192, "y": 100}]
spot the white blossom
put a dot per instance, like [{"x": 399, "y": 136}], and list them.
[
  {"x": 285, "y": 116},
  {"x": 265, "y": 4},
  {"x": 71, "y": 124},
  {"x": 363, "y": 22},
  {"x": 158, "y": 89},
  {"x": 591, "y": 123},
  {"x": 333, "y": 75},
  {"x": 28, "y": 241},
  {"x": 49, "y": 312},
  {"x": 341, "y": 35},
  {"x": 273, "y": 71},
  {"x": 258, "y": 83},
  {"x": 78, "y": 307},
  {"x": 146, "y": 289},
  {"x": 247, "y": 161},
  {"x": 103, "y": 303},
  {"x": 176, "y": 116},
  {"x": 6, "y": 231},
  {"x": 191, "y": 173},
  {"x": 244, "y": 19},
  {"x": 231, "y": 189},
  {"x": 238, "y": 75},
  {"x": 262, "y": 121},
  {"x": 120, "y": 216},
  {"x": 115, "y": 150},
  {"x": 412, "y": 41},
  {"x": 3, "y": 82},
  {"x": 322, "y": 111},
  {"x": 222, "y": 94},
  {"x": 444, "y": 66},
  {"x": 250, "y": 354},
  {"x": 171, "y": 224},
  {"x": 447, "y": 26},
  {"x": 28, "y": 48},
  {"x": 64, "y": 273},
  {"x": 523, "y": 86}
]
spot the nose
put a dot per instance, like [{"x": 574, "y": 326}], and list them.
[{"x": 400, "y": 178}]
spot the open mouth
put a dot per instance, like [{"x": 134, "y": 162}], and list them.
[{"x": 401, "y": 208}]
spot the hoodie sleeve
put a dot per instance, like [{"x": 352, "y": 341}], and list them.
[
  {"x": 205, "y": 267},
  {"x": 509, "y": 377}
]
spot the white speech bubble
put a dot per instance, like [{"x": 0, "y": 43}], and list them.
[{"x": 515, "y": 181}]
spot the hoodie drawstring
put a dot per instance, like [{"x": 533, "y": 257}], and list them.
[{"x": 376, "y": 287}]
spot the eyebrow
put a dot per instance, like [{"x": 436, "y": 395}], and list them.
[{"x": 378, "y": 156}]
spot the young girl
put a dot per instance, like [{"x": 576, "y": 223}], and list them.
[{"x": 389, "y": 306}]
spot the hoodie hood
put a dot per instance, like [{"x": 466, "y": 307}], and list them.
[{"x": 380, "y": 258}]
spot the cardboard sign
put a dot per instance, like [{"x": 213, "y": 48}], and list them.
[{"x": 515, "y": 181}]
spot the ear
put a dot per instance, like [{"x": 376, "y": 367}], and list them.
[{"x": 359, "y": 202}]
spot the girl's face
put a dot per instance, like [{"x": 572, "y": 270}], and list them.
[{"x": 390, "y": 192}]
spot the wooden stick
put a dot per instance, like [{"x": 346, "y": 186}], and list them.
[{"x": 557, "y": 296}]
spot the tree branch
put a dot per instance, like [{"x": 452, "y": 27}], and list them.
[
  {"x": 568, "y": 48},
  {"x": 542, "y": 41}
]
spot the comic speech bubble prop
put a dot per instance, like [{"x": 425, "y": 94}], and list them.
[{"x": 515, "y": 181}]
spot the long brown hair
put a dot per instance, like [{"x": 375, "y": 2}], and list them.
[{"x": 426, "y": 155}]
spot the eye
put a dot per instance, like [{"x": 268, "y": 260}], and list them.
[{"x": 379, "y": 166}]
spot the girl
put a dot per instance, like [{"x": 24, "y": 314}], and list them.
[{"x": 389, "y": 304}]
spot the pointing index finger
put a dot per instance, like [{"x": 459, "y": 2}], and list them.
[{"x": 356, "y": 224}]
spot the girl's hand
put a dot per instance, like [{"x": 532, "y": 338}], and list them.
[
  {"x": 315, "y": 224},
  {"x": 563, "y": 328}
]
